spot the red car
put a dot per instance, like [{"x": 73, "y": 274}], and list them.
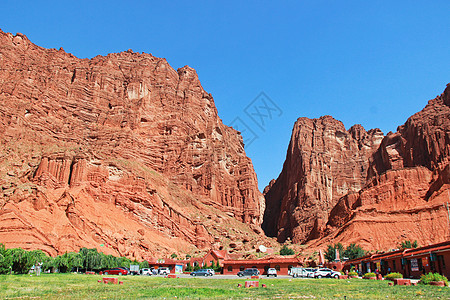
[{"x": 116, "y": 271}]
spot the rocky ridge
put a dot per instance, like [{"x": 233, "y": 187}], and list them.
[
  {"x": 324, "y": 162},
  {"x": 120, "y": 151},
  {"x": 398, "y": 193}
]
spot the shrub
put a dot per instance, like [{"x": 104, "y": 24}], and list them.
[
  {"x": 394, "y": 275},
  {"x": 286, "y": 251},
  {"x": 408, "y": 244},
  {"x": 368, "y": 275},
  {"x": 426, "y": 279},
  {"x": 352, "y": 273}
]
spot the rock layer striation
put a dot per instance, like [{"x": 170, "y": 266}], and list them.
[
  {"x": 324, "y": 162},
  {"x": 361, "y": 187},
  {"x": 119, "y": 150}
]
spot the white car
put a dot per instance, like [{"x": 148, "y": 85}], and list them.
[
  {"x": 309, "y": 272},
  {"x": 325, "y": 272},
  {"x": 211, "y": 271},
  {"x": 163, "y": 271},
  {"x": 146, "y": 271},
  {"x": 272, "y": 272}
]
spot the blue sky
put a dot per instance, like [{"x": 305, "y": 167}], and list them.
[{"x": 373, "y": 63}]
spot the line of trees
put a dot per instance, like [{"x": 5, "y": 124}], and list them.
[
  {"x": 351, "y": 252},
  {"x": 20, "y": 261}
]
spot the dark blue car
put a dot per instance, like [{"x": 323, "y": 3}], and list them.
[{"x": 201, "y": 272}]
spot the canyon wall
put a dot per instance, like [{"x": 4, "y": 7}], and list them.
[
  {"x": 94, "y": 148},
  {"x": 398, "y": 184},
  {"x": 324, "y": 162}
]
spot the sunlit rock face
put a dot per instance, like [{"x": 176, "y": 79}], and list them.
[
  {"x": 324, "y": 162},
  {"x": 360, "y": 187},
  {"x": 119, "y": 150}
]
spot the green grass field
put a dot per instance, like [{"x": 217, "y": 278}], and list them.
[{"x": 73, "y": 286}]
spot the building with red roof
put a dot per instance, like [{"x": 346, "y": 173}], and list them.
[
  {"x": 281, "y": 264},
  {"x": 412, "y": 263}
]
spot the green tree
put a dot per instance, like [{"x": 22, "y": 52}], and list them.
[
  {"x": 188, "y": 267},
  {"x": 354, "y": 251},
  {"x": 286, "y": 251},
  {"x": 22, "y": 261},
  {"x": 143, "y": 264},
  {"x": 409, "y": 244},
  {"x": 48, "y": 264},
  {"x": 217, "y": 267},
  {"x": 76, "y": 260},
  {"x": 5, "y": 260},
  {"x": 330, "y": 253},
  {"x": 60, "y": 262},
  {"x": 173, "y": 255},
  {"x": 67, "y": 261},
  {"x": 91, "y": 259},
  {"x": 124, "y": 262}
]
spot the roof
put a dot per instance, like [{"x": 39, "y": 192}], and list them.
[
  {"x": 439, "y": 247},
  {"x": 166, "y": 261},
  {"x": 428, "y": 249},
  {"x": 262, "y": 261},
  {"x": 219, "y": 253}
]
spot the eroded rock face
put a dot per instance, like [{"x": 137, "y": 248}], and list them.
[
  {"x": 122, "y": 135},
  {"x": 402, "y": 184},
  {"x": 424, "y": 140},
  {"x": 324, "y": 163}
]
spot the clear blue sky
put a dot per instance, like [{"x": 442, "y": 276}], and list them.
[{"x": 369, "y": 62}]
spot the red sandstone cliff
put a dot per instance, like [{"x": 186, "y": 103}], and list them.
[
  {"x": 324, "y": 162},
  {"x": 403, "y": 185},
  {"x": 121, "y": 150}
]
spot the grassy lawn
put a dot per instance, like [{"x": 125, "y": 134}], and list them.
[{"x": 86, "y": 287}]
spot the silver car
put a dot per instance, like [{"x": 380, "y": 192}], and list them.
[{"x": 272, "y": 272}]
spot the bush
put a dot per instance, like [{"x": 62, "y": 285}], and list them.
[
  {"x": 408, "y": 245},
  {"x": 426, "y": 279},
  {"x": 394, "y": 275},
  {"x": 368, "y": 275},
  {"x": 352, "y": 273},
  {"x": 286, "y": 251}
]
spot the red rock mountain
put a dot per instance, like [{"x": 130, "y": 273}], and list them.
[
  {"x": 358, "y": 187},
  {"x": 324, "y": 162},
  {"x": 120, "y": 152}
]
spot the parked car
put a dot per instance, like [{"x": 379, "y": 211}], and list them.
[
  {"x": 201, "y": 272},
  {"x": 163, "y": 271},
  {"x": 325, "y": 272},
  {"x": 116, "y": 271},
  {"x": 301, "y": 272},
  {"x": 248, "y": 272},
  {"x": 146, "y": 271},
  {"x": 309, "y": 272},
  {"x": 272, "y": 272},
  {"x": 211, "y": 271}
]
